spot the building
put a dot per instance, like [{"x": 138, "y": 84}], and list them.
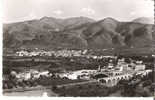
[
  {"x": 123, "y": 66},
  {"x": 22, "y": 53},
  {"x": 139, "y": 66},
  {"x": 82, "y": 74}
]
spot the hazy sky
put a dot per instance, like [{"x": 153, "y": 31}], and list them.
[{"x": 19, "y": 10}]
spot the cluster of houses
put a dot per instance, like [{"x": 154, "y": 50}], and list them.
[
  {"x": 35, "y": 74},
  {"x": 111, "y": 70},
  {"x": 121, "y": 68},
  {"x": 31, "y": 74},
  {"x": 58, "y": 53},
  {"x": 62, "y": 53},
  {"x": 124, "y": 66},
  {"x": 79, "y": 74}
]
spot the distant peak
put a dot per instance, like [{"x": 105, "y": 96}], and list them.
[
  {"x": 144, "y": 20},
  {"x": 110, "y": 19},
  {"x": 46, "y": 18}
]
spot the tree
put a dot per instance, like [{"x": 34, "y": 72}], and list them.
[
  {"x": 147, "y": 83},
  {"x": 54, "y": 87},
  {"x": 126, "y": 89}
]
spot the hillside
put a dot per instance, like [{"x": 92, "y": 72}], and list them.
[
  {"x": 77, "y": 33},
  {"x": 109, "y": 33}
]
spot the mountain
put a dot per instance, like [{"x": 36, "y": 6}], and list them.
[
  {"x": 47, "y": 32},
  {"x": 109, "y": 33},
  {"x": 76, "y": 22},
  {"x": 101, "y": 34},
  {"x": 144, "y": 20},
  {"x": 77, "y": 33}
]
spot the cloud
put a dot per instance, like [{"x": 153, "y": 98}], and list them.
[
  {"x": 88, "y": 11},
  {"x": 58, "y": 12}
]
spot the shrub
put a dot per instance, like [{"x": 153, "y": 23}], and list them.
[{"x": 147, "y": 83}]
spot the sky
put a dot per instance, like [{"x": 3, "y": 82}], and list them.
[{"x": 123, "y": 10}]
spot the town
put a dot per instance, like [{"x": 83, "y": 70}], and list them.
[{"x": 76, "y": 68}]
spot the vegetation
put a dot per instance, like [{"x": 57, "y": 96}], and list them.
[
  {"x": 12, "y": 82},
  {"x": 137, "y": 86},
  {"x": 86, "y": 90}
]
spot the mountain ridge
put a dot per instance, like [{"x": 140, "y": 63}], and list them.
[{"x": 77, "y": 33}]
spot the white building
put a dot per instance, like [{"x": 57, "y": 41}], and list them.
[
  {"x": 75, "y": 74},
  {"x": 22, "y": 53},
  {"x": 139, "y": 66}
]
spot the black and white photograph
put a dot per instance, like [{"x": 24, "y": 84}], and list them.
[{"x": 78, "y": 48}]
